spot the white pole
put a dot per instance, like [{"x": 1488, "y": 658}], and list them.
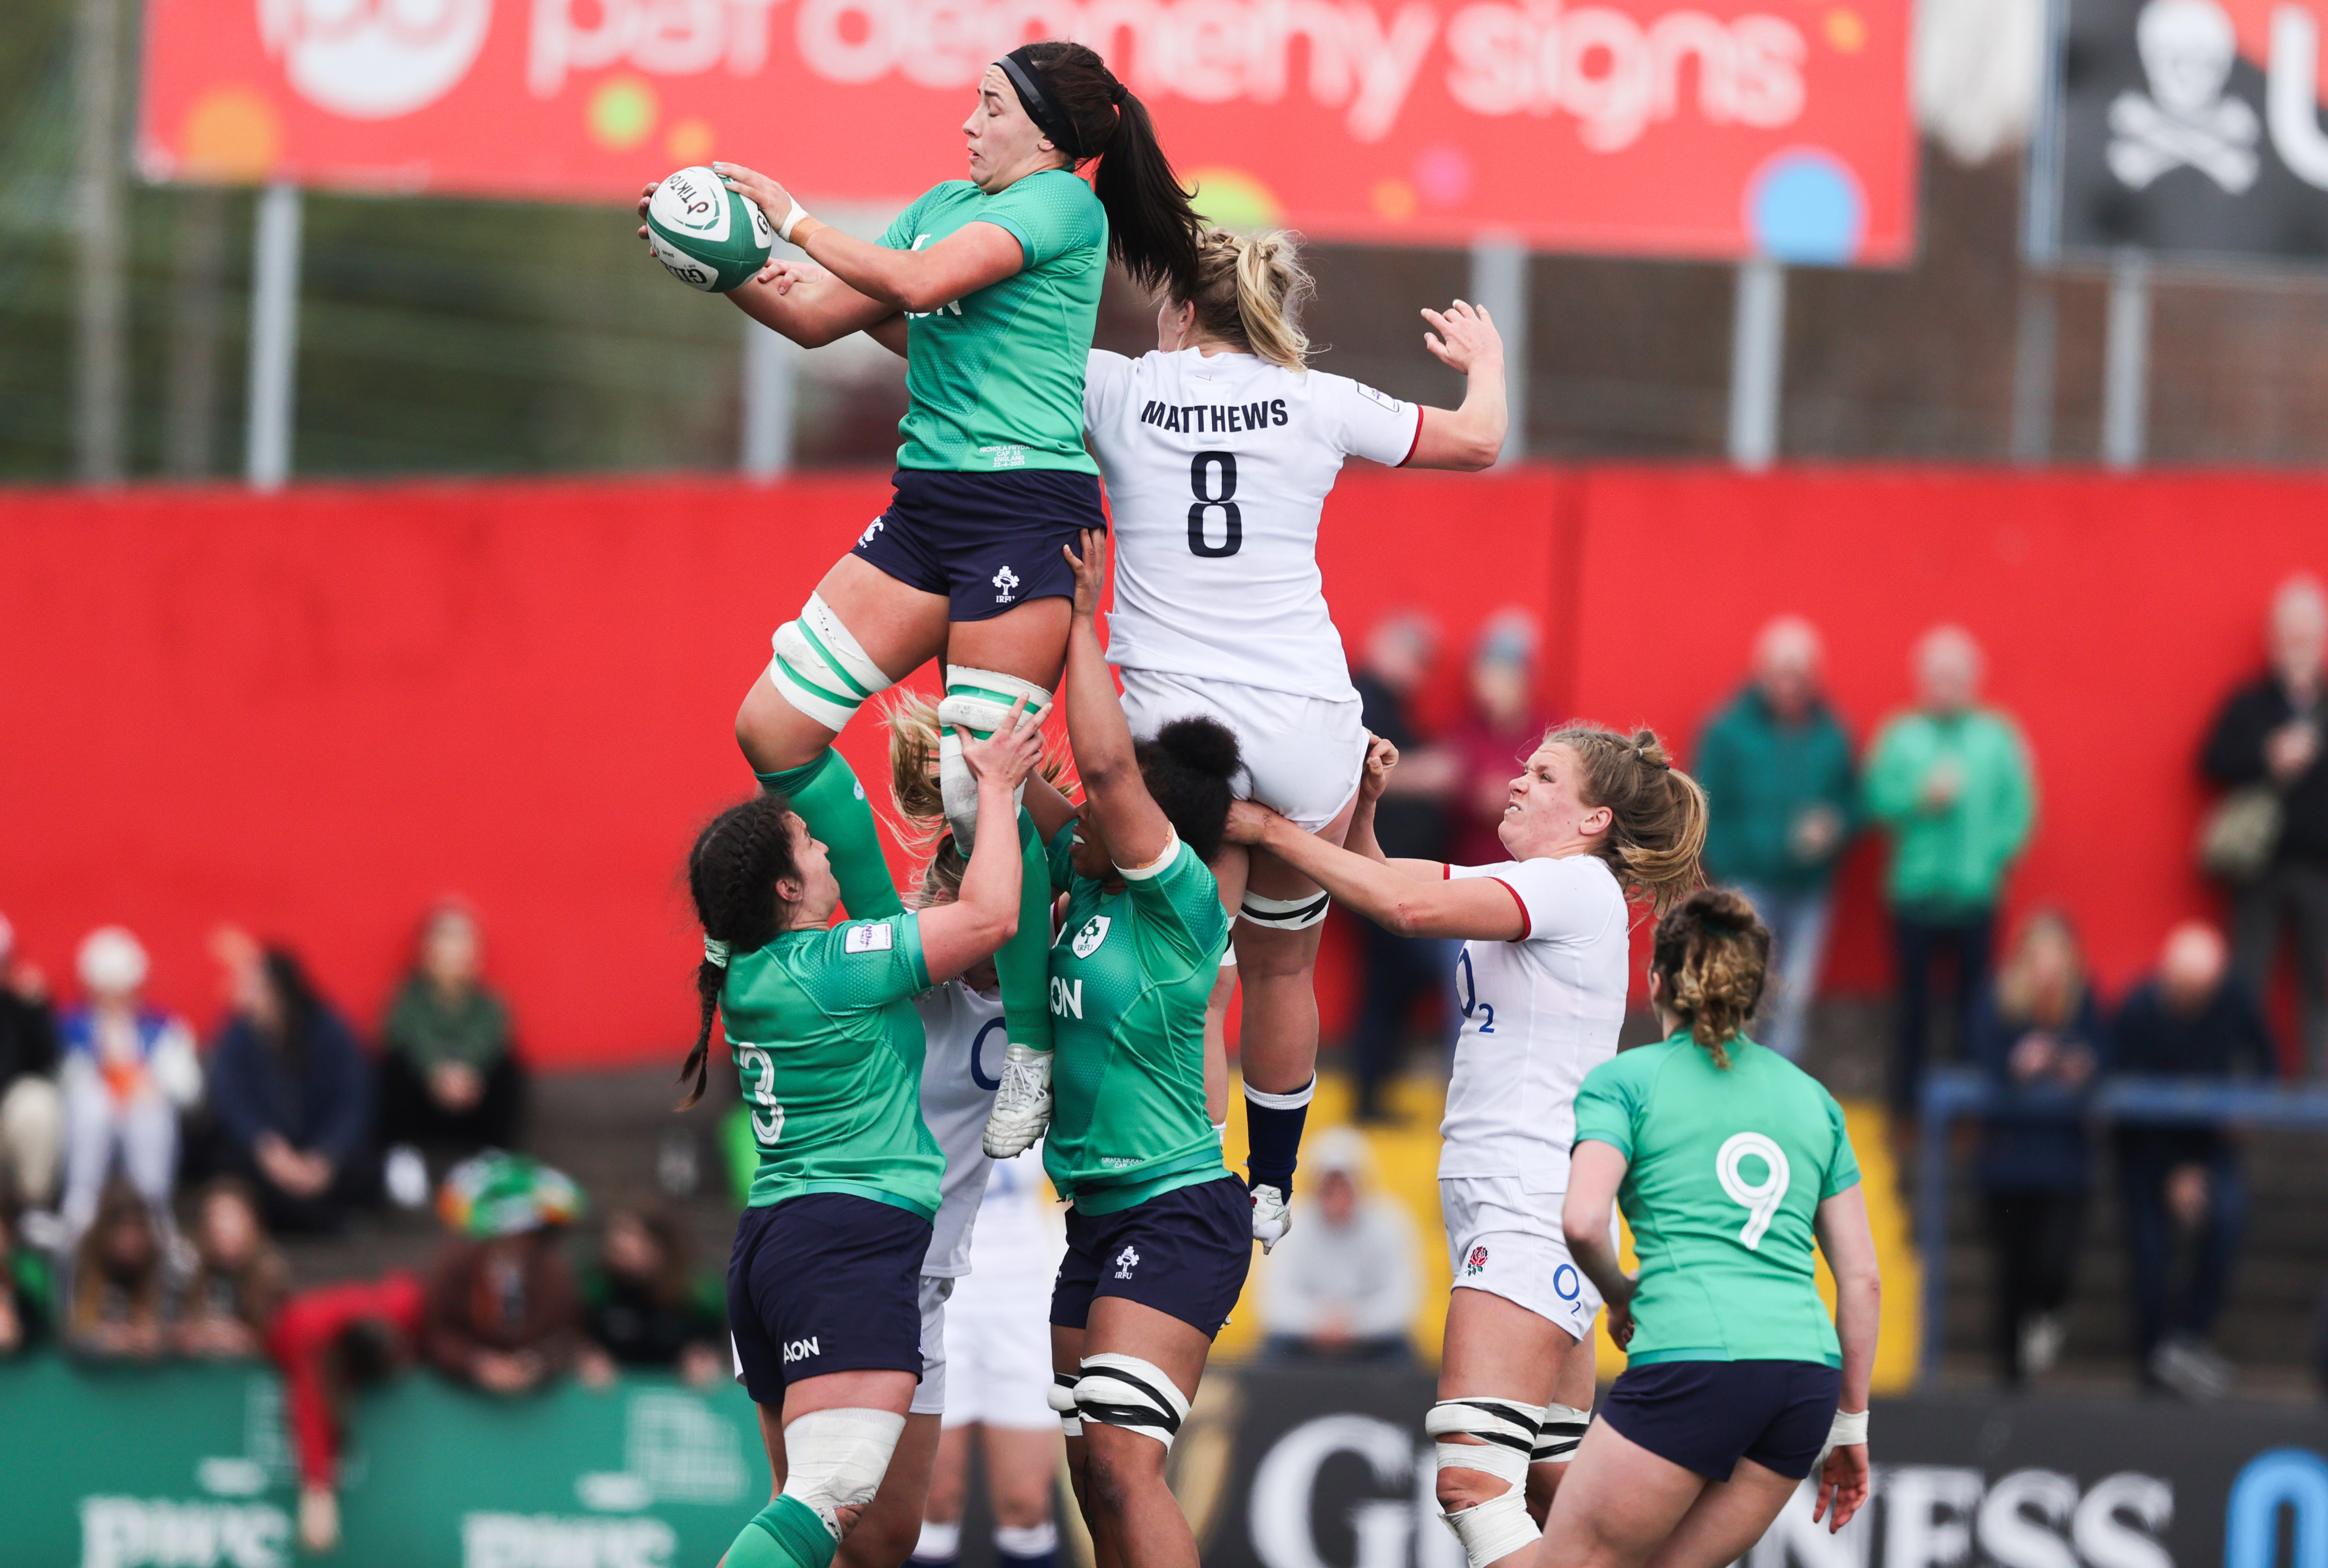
[
  {"x": 1499, "y": 284},
  {"x": 101, "y": 322},
  {"x": 274, "y": 339},
  {"x": 2036, "y": 334},
  {"x": 2126, "y": 362},
  {"x": 771, "y": 392},
  {"x": 1757, "y": 351}
]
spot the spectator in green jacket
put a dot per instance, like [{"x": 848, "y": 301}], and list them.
[
  {"x": 1776, "y": 770},
  {"x": 1950, "y": 781},
  {"x": 449, "y": 1080}
]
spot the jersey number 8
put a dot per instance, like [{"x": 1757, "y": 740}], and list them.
[
  {"x": 1760, "y": 1200},
  {"x": 1200, "y": 484}
]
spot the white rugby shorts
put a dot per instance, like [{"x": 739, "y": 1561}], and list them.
[
  {"x": 999, "y": 1351},
  {"x": 1507, "y": 1241},
  {"x": 930, "y": 1393},
  {"x": 1302, "y": 754}
]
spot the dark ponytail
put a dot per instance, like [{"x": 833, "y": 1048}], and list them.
[
  {"x": 1151, "y": 229},
  {"x": 1188, "y": 768},
  {"x": 732, "y": 874}
]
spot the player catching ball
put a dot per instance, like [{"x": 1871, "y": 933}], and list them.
[
  {"x": 1596, "y": 818},
  {"x": 1730, "y": 1162},
  {"x": 1219, "y": 449},
  {"x": 999, "y": 275},
  {"x": 822, "y": 1299}
]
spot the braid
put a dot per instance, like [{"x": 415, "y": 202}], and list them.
[
  {"x": 731, "y": 875},
  {"x": 1713, "y": 955}
]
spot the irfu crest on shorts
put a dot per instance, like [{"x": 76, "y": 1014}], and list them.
[{"x": 1088, "y": 940}]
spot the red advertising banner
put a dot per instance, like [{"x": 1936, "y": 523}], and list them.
[{"x": 1684, "y": 127}]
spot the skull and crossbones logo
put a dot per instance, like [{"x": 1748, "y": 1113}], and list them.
[{"x": 2187, "y": 48}]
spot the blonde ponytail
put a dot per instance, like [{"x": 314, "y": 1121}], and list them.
[
  {"x": 1251, "y": 290},
  {"x": 1657, "y": 829}
]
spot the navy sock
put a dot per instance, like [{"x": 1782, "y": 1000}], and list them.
[{"x": 1273, "y": 1134}]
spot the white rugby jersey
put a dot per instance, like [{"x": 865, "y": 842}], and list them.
[
  {"x": 1217, "y": 469},
  {"x": 1538, "y": 1014},
  {"x": 1019, "y": 1231},
  {"x": 960, "y": 1069}
]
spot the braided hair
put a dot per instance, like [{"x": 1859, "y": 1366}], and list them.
[
  {"x": 1713, "y": 955},
  {"x": 732, "y": 874}
]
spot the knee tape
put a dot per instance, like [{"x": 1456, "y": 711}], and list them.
[
  {"x": 978, "y": 701},
  {"x": 1061, "y": 1397},
  {"x": 1292, "y": 1100},
  {"x": 1285, "y": 914},
  {"x": 834, "y": 1459},
  {"x": 1135, "y": 1395},
  {"x": 1506, "y": 1431},
  {"x": 1557, "y": 1435},
  {"x": 819, "y": 668}
]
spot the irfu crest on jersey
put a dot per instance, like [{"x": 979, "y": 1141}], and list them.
[{"x": 1088, "y": 940}]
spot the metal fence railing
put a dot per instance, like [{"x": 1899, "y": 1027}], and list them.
[{"x": 1952, "y": 1094}]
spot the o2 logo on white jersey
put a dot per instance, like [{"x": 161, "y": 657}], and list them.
[
  {"x": 374, "y": 60},
  {"x": 1760, "y": 1200},
  {"x": 1088, "y": 940},
  {"x": 1466, "y": 995}
]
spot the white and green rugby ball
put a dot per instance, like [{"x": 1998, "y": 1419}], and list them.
[{"x": 708, "y": 237}]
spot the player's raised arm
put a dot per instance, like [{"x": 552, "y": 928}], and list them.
[
  {"x": 1464, "y": 338},
  {"x": 1136, "y": 828}
]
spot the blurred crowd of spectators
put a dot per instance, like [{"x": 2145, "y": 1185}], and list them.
[
  {"x": 1950, "y": 785},
  {"x": 145, "y": 1177}
]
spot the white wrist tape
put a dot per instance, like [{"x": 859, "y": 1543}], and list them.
[
  {"x": 1850, "y": 1427},
  {"x": 784, "y": 230}
]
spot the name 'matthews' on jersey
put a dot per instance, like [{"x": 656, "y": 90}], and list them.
[{"x": 1217, "y": 468}]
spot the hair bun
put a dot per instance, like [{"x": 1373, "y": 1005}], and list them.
[
  {"x": 1118, "y": 93},
  {"x": 1201, "y": 745}
]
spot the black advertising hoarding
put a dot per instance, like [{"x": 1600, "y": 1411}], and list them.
[
  {"x": 1296, "y": 1469},
  {"x": 2189, "y": 128}
]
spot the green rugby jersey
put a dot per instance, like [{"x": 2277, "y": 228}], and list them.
[
  {"x": 827, "y": 1050},
  {"x": 1131, "y": 973},
  {"x": 1727, "y": 1168},
  {"x": 996, "y": 378}
]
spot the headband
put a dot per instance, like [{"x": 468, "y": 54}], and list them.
[{"x": 1018, "y": 65}]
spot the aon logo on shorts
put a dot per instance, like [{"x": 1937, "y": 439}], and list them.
[
  {"x": 1759, "y": 1197},
  {"x": 800, "y": 1350}
]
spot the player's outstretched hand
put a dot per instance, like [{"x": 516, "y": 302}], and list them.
[
  {"x": 1842, "y": 1485},
  {"x": 774, "y": 199},
  {"x": 1248, "y": 820},
  {"x": 785, "y": 272},
  {"x": 1091, "y": 571},
  {"x": 1463, "y": 337},
  {"x": 1380, "y": 758},
  {"x": 646, "y": 194},
  {"x": 1008, "y": 755}
]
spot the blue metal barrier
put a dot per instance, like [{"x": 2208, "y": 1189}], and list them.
[{"x": 1951, "y": 1093}]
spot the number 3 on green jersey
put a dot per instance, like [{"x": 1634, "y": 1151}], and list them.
[{"x": 759, "y": 1080}]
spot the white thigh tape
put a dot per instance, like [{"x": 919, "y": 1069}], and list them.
[
  {"x": 1292, "y": 1100},
  {"x": 834, "y": 1459},
  {"x": 821, "y": 669},
  {"x": 1135, "y": 1395},
  {"x": 1505, "y": 1430},
  {"x": 1557, "y": 1435},
  {"x": 978, "y": 701},
  {"x": 1285, "y": 914},
  {"x": 1061, "y": 1397}
]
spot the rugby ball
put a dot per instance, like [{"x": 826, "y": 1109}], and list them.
[{"x": 708, "y": 237}]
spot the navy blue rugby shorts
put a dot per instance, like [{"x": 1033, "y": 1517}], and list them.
[
  {"x": 989, "y": 542},
  {"x": 1185, "y": 1252},
  {"x": 827, "y": 1282},
  {"x": 1707, "y": 1415}
]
